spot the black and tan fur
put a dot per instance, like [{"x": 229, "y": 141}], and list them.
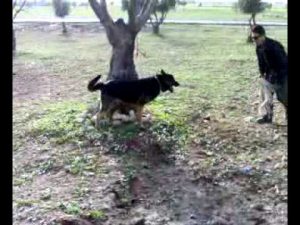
[{"x": 133, "y": 94}]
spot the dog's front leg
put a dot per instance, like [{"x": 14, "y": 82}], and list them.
[
  {"x": 139, "y": 114},
  {"x": 99, "y": 117}
]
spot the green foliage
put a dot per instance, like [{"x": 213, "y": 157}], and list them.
[
  {"x": 70, "y": 208},
  {"x": 63, "y": 122},
  {"x": 163, "y": 6},
  {"x": 182, "y": 2},
  {"x": 172, "y": 136},
  {"x": 251, "y": 6},
  {"x": 79, "y": 164},
  {"x": 61, "y": 8},
  {"x": 96, "y": 214}
]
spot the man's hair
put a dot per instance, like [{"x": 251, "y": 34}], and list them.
[{"x": 258, "y": 29}]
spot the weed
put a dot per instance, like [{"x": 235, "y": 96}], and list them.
[{"x": 70, "y": 208}]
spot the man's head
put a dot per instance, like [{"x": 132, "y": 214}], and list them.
[{"x": 258, "y": 34}]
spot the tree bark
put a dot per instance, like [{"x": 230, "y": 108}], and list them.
[
  {"x": 155, "y": 28},
  {"x": 253, "y": 19},
  {"x": 64, "y": 28},
  {"x": 122, "y": 39},
  {"x": 249, "y": 38},
  {"x": 156, "y": 23},
  {"x": 122, "y": 65},
  {"x": 14, "y": 43}
]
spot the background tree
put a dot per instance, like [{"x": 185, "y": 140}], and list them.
[
  {"x": 18, "y": 6},
  {"x": 62, "y": 9},
  {"x": 159, "y": 12},
  {"x": 162, "y": 7},
  {"x": 183, "y": 3},
  {"x": 251, "y": 7}
]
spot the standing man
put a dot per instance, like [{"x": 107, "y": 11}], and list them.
[{"x": 273, "y": 68}]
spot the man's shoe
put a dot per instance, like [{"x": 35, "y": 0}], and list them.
[{"x": 264, "y": 119}]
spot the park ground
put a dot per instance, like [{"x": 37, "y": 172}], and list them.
[
  {"x": 201, "y": 160},
  {"x": 188, "y": 12}
]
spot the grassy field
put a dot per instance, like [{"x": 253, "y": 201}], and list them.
[
  {"x": 189, "y": 12},
  {"x": 199, "y": 137}
]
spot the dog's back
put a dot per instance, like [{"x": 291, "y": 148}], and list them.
[{"x": 137, "y": 91}]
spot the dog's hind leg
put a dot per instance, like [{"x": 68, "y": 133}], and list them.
[
  {"x": 139, "y": 113},
  {"x": 114, "y": 106},
  {"x": 101, "y": 114}
]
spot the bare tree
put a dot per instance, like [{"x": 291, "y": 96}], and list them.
[
  {"x": 62, "y": 9},
  {"x": 121, "y": 35},
  {"x": 18, "y": 6}
]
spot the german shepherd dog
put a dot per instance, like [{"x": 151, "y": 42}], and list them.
[{"x": 130, "y": 94}]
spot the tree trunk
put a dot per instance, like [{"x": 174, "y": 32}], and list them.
[
  {"x": 249, "y": 38},
  {"x": 253, "y": 19},
  {"x": 155, "y": 28},
  {"x": 64, "y": 28},
  {"x": 122, "y": 61},
  {"x": 14, "y": 43}
]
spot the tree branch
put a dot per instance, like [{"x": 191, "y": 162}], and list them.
[
  {"x": 14, "y": 4},
  {"x": 144, "y": 14},
  {"x": 19, "y": 9},
  {"x": 131, "y": 12},
  {"x": 163, "y": 17},
  {"x": 101, "y": 12},
  {"x": 156, "y": 17}
]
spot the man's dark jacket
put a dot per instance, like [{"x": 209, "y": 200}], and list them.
[{"x": 272, "y": 61}]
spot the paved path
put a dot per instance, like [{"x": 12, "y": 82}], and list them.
[{"x": 95, "y": 20}]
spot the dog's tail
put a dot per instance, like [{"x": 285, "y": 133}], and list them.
[{"x": 93, "y": 85}]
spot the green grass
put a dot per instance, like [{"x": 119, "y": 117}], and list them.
[
  {"x": 58, "y": 121},
  {"x": 212, "y": 64},
  {"x": 96, "y": 214},
  {"x": 70, "y": 208},
  {"x": 189, "y": 12}
]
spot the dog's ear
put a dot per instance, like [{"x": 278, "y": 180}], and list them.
[{"x": 162, "y": 72}]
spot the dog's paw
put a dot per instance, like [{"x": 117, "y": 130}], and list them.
[
  {"x": 116, "y": 122},
  {"x": 147, "y": 118},
  {"x": 101, "y": 123}
]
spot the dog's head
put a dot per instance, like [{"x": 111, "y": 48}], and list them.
[{"x": 167, "y": 81}]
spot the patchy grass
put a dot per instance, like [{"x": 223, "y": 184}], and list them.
[
  {"x": 26, "y": 203},
  {"x": 70, "y": 208},
  {"x": 96, "y": 214},
  {"x": 55, "y": 144},
  {"x": 58, "y": 121}
]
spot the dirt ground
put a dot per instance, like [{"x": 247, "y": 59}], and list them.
[{"x": 204, "y": 186}]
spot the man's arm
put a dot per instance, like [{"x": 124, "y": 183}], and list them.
[
  {"x": 279, "y": 57},
  {"x": 261, "y": 63}
]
